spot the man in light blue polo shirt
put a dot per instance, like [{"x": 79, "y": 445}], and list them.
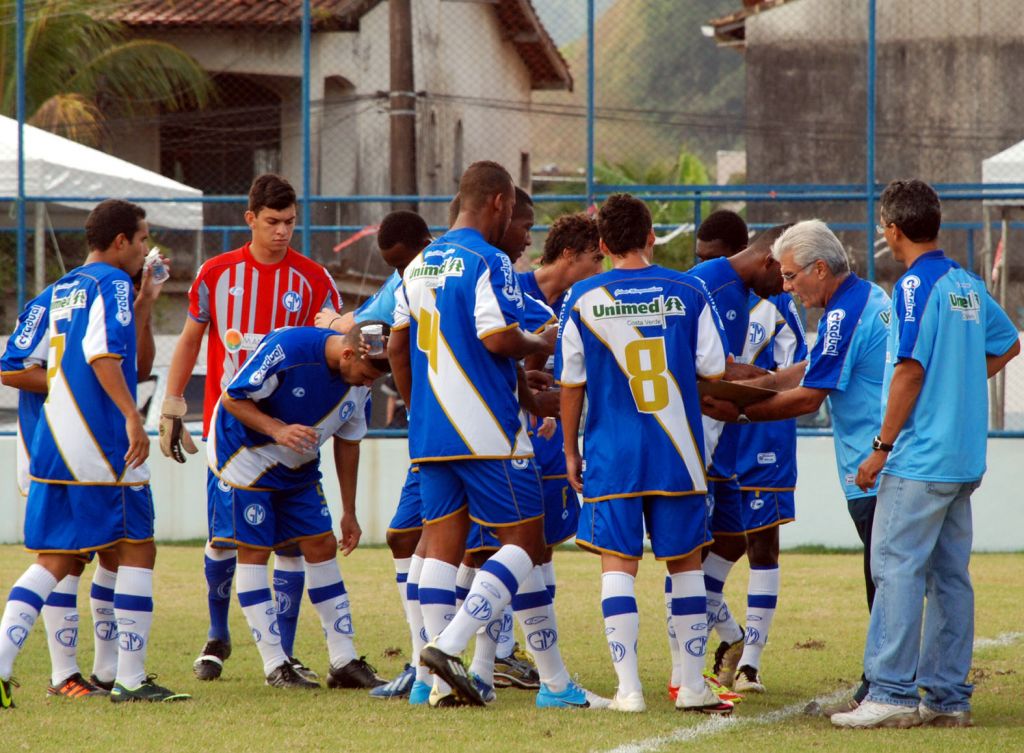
[
  {"x": 946, "y": 339},
  {"x": 845, "y": 366}
]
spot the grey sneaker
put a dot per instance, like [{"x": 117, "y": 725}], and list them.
[
  {"x": 871, "y": 715},
  {"x": 828, "y": 711},
  {"x": 933, "y": 718}
]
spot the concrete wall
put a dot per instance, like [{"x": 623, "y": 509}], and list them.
[{"x": 180, "y": 494}]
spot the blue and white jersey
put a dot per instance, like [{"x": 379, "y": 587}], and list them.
[
  {"x": 381, "y": 305},
  {"x": 638, "y": 339},
  {"x": 26, "y": 349},
  {"x": 82, "y": 438},
  {"x": 528, "y": 282},
  {"x": 848, "y": 360},
  {"x": 537, "y": 315},
  {"x": 457, "y": 292},
  {"x": 730, "y": 296},
  {"x": 548, "y": 452},
  {"x": 288, "y": 378},
  {"x": 766, "y": 451},
  {"x": 944, "y": 319}
]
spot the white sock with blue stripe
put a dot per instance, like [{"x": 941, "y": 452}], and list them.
[
  {"x": 402, "y": 580},
  {"x": 673, "y": 644},
  {"x": 463, "y": 582},
  {"x": 536, "y": 616},
  {"x": 261, "y": 613},
  {"x": 493, "y": 587},
  {"x": 689, "y": 617},
  {"x": 437, "y": 603},
  {"x": 27, "y": 597},
  {"x": 762, "y": 598},
  {"x": 548, "y": 568},
  {"x": 60, "y": 615},
  {"x": 414, "y": 615},
  {"x": 327, "y": 591},
  {"x": 716, "y": 570},
  {"x": 133, "y": 609},
  {"x": 104, "y": 626},
  {"x": 622, "y": 628},
  {"x": 506, "y": 639}
]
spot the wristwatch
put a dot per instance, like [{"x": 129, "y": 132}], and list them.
[
  {"x": 878, "y": 444},
  {"x": 742, "y": 419}
]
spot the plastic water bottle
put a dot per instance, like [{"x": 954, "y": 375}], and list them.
[{"x": 157, "y": 267}]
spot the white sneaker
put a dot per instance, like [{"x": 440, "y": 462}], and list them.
[
  {"x": 631, "y": 702},
  {"x": 934, "y": 718},
  {"x": 872, "y": 714},
  {"x": 748, "y": 680},
  {"x": 705, "y": 701}
]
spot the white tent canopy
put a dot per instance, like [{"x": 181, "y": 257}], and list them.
[
  {"x": 55, "y": 166},
  {"x": 1005, "y": 167}
]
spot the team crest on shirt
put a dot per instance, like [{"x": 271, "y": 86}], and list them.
[
  {"x": 757, "y": 333},
  {"x": 346, "y": 410},
  {"x": 730, "y": 315},
  {"x": 520, "y": 464},
  {"x": 122, "y": 298},
  {"x": 833, "y": 332},
  {"x": 32, "y": 320},
  {"x": 223, "y": 485},
  {"x": 299, "y": 392},
  {"x": 291, "y": 301},
  {"x": 910, "y": 285},
  {"x": 270, "y": 360}
]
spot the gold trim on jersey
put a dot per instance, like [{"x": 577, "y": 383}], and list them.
[
  {"x": 498, "y": 330},
  {"x": 121, "y": 484}
]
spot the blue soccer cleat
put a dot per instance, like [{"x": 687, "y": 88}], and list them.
[
  {"x": 397, "y": 688},
  {"x": 573, "y": 697}
]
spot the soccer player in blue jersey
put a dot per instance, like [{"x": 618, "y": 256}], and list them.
[
  {"x": 90, "y": 484},
  {"x": 23, "y": 366},
  {"x": 633, "y": 341},
  {"x": 462, "y": 308},
  {"x": 301, "y": 386},
  {"x": 946, "y": 338},
  {"x": 844, "y": 367}
]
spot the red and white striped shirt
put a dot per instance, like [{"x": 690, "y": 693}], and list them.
[{"x": 242, "y": 300}]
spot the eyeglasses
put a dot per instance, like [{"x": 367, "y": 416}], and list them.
[{"x": 790, "y": 276}]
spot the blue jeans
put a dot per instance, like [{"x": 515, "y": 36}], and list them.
[{"x": 921, "y": 547}]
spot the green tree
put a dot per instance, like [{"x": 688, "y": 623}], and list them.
[{"x": 83, "y": 69}]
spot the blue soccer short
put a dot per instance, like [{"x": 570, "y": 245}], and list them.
[
  {"x": 497, "y": 492},
  {"x": 72, "y": 518},
  {"x": 725, "y": 500},
  {"x": 266, "y": 519},
  {"x": 561, "y": 510},
  {"x": 766, "y": 509},
  {"x": 409, "y": 514},
  {"x": 481, "y": 539},
  {"x": 677, "y": 526}
]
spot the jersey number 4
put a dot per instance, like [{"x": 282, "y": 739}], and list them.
[{"x": 646, "y": 366}]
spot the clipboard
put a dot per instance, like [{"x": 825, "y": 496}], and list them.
[{"x": 741, "y": 395}]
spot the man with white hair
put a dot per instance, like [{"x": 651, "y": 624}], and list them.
[{"x": 845, "y": 366}]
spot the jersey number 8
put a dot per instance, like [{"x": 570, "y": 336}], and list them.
[{"x": 646, "y": 365}]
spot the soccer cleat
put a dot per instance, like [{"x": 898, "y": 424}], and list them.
[
  {"x": 76, "y": 686},
  {"x": 516, "y": 671},
  {"x": 451, "y": 669},
  {"x": 438, "y": 700},
  {"x": 486, "y": 691},
  {"x": 748, "y": 680},
  {"x": 148, "y": 691},
  {"x": 6, "y": 698},
  {"x": 419, "y": 694},
  {"x": 400, "y": 687},
  {"x": 573, "y": 697},
  {"x": 303, "y": 670},
  {"x": 727, "y": 657},
  {"x": 871, "y": 715},
  {"x": 210, "y": 662},
  {"x": 356, "y": 674},
  {"x": 101, "y": 684},
  {"x": 720, "y": 690},
  {"x": 286, "y": 676},
  {"x": 632, "y": 703},
  {"x": 934, "y": 718},
  {"x": 704, "y": 701}
]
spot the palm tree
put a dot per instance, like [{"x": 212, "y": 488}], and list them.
[{"x": 82, "y": 69}]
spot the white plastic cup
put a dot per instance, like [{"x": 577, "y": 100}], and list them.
[
  {"x": 373, "y": 336},
  {"x": 156, "y": 265}
]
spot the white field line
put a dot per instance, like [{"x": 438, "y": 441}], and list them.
[{"x": 716, "y": 724}]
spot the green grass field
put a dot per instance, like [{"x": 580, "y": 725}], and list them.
[{"x": 815, "y": 649}]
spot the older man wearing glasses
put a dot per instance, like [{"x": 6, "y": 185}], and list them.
[{"x": 845, "y": 366}]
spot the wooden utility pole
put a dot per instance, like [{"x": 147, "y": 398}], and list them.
[{"x": 403, "y": 103}]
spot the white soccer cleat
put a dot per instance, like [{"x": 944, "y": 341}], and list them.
[
  {"x": 704, "y": 701},
  {"x": 871, "y": 714},
  {"x": 632, "y": 703},
  {"x": 748, "y": 680}
]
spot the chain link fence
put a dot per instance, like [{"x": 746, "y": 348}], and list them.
[{"x": 761, "y": 107}]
